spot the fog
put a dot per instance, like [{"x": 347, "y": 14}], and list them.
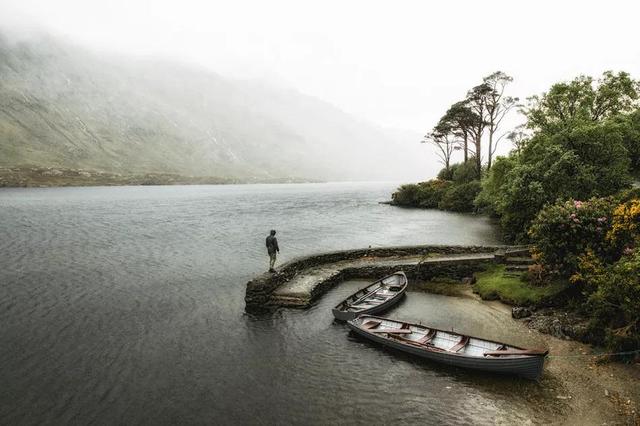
[{"x": 393, "y": 65}]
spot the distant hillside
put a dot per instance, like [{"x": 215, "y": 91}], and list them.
[{"x": 64, "y": 106}]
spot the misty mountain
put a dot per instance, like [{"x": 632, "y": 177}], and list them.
[{"x": 66, "y": 106}]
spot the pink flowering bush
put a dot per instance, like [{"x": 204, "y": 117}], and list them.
[{"x": 564, "y": 232}]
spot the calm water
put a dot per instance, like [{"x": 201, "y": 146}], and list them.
[{"x": 125, "y": 305}]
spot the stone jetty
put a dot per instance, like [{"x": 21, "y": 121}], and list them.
[{"x": 301, "y": 281}]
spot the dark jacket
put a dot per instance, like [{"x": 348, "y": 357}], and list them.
[{"x": 272, "y": 244}]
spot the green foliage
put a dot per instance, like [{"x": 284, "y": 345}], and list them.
[
  {"x": 629, "y": 126},
  {"x": 430, "y": 193},
  {"x": 614, "y": 304},
  {"x": 447, "y": 173},
  {"x": 493, "y": 284},
  {"x": 564, "y": 232},
  {"x": 490, "y": 196},
  {"x": 580, "y": 101},
  {"x": 436, "y": 193},
  {"x": 460, "y": 197},
  {"x": 587, "y": 161},
  {"x": 460, "y": 172},
  {"x": 424, "y": 194},
  {"x": 405, "y": 195},
  {"x": 465, "y": 172}
]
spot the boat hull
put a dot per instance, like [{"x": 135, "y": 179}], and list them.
[{"x": 529, "y": 367}]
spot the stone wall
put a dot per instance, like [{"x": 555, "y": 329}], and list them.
[{"x": 259, "y": 289}]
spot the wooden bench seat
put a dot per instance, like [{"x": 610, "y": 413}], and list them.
[
  {"x": 461, "y": 344},
  {"x": 392, "y": 330},
  {"x": 370, "y": 324}
]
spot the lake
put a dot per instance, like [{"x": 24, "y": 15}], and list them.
[{"x": 125, "y": 305}]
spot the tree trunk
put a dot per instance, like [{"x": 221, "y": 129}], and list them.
[
  {"x": 478, "y": 143},
  {"x": 491, "y": 130},
  {"x": 466, "y": 147}
]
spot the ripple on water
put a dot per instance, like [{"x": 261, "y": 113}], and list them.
[{"x": 125, "y": 305}]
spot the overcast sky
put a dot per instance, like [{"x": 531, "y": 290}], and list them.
[{"x": 396, "y": 63}]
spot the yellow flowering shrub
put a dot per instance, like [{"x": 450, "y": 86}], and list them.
[{"x": 625, "y": 224}]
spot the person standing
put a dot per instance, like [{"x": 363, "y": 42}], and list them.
[{"x": 272, "y": 249}]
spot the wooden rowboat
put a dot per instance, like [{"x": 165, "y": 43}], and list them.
[
  {"x": 374, "y": 298},
  {"x": 451, "y": 348}
]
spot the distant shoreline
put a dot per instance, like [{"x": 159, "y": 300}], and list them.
[{"x": 46, "y": 177}]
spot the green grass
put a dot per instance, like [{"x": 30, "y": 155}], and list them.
[{"x": 492, "y": 285}]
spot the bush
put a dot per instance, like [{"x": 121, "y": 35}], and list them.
[
  {"x": 447, "y": 174},
  {"x": 614, "y": 303},
  {"x": 430, "y": 193},
  {"x": 460, "y": 172},
  {"x": 405, "y": 195},
  {"x": 465, "y": 172},
  {"x": 625, "y": 229},
  {"x": 563, "y": 232},
  {"x": 459, "y": 198},
  {"x": 488, "y": 200},
  {"x": 424, "y": 194}
]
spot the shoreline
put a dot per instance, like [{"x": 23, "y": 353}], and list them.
[
  {"x": 585, "y": 387},
  {"x": 55, "y": 177},
  {"x": 581, "y": 386}
]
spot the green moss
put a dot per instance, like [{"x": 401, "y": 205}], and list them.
[{"x": 492, "y": 284}]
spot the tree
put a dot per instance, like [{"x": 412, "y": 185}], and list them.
[
  {"x": 476, "y": 102},
  {"x": 462, "y": 122},
  {"x": 518, "y": 138},
  {"x": 584, "y": 162},
  {"x": 496, "y": 105},
  {"x": 443, "y": 139},
  {"x": 567, "y": 105},
  {"x": 630, "y": 126}
]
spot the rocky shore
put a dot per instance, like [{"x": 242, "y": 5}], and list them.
[{"x": 555, "y": 321}]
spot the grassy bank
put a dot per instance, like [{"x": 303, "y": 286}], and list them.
[{"x": 492, "y": 284}]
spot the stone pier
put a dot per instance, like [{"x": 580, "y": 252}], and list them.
[{"x": 301, "y": 281}]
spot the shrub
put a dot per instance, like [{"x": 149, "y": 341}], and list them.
[
  {"x": 459, "y": 198},
  {"x": 489, "y": 199},
  {"x": 405, "y": 195},
  {"x": 424, "y": 194},
  {"x": 465, "y": 172},
  {"x": 625, "y": 228},
  {"x": 563, "y": 232},
  {"x": 614, "y": 303},
  {"x": 447, "y": 174},
  {"x": 460, "y": 172},
  {"x": 430, "y": 193}
]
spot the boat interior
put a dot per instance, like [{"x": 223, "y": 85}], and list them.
[
  {"x": 438, "y": 340},
  {"x": 374, "y": 295}
]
